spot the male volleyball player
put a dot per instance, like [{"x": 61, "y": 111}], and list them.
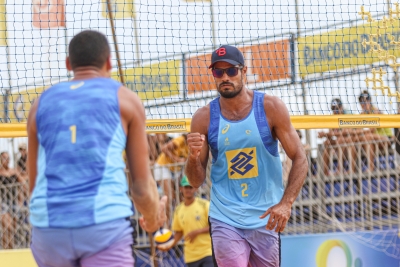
[
  {"x": 77, "y": 130},
  {"x": 248, "y": 202}
]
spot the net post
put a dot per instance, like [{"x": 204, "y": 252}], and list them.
[{"x": 111, "y": 18}]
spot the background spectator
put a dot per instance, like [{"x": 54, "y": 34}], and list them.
[
  {"x": 377, "y": 137},
  {"x": 168, "y": 167},
  {"x": 156, "y": 143},
  {"x": 338, "y": 141},
  {"x": 191, "y": 223},
  {"x": 9, "y": 198},
  {"x": 21, "y": 162}
]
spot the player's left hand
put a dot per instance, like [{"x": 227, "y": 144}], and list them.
[
  {"x": 191, "y": 236},
  {"x": 279, "y": 214}
]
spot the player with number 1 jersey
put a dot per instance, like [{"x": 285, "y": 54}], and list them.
[{"x": 77, "y": 130}]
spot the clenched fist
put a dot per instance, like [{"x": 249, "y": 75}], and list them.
[{"x": 195, "y": 142}]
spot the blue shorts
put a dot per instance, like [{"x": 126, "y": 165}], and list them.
[
  {"x": 234, "y": 247},
  {"x": 108, "y": 244}
]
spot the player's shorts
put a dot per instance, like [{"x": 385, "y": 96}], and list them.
[
  {"x": 102, "y": 245},
  {"x": 234, "y": 247}
]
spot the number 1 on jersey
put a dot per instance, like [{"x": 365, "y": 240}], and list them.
[
  {"x": 244, "y": 189},
  {"x": 72, "y": 128}
]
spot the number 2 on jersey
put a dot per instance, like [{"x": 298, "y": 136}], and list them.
[
  {"x": 244, "y": 189},
  {"x": 72, "y": 128}
]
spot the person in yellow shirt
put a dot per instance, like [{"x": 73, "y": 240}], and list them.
[
  {"x": 168, "y": 167},
  {"x": 380, "y": 137},
  {"x": 191, "y": 222}
]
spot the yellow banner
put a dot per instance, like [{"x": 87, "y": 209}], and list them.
[
  {"x": 3, "y": 23},
  {"x": 153, "y": 81},
  {"x": 121, "y": 9},
  {"x": 343, "y": 48},
  {"x": 20, "y": 103},
  {"x": 168, "y": 126},
  {"x": 299, "y": 122}
]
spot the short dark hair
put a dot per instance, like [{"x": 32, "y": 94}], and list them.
[
  {"x": 336, "y": 102},
  {"x": 88, "y": 48},
  {"x": 364, "y": 96}
]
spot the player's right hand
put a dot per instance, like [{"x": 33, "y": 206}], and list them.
[
  {"x": 164, "y": 247},
  {"x": 161, "y": 218},
  {"x": 195, "y": 142}
]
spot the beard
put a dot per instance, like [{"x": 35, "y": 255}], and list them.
[{"x": 230, "y": 94}]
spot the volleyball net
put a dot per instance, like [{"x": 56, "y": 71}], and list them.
[{"x": 307, "y": 53}]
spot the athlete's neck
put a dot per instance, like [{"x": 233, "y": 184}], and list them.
[
  {"x": 189, "y": 201},
  {"x": 237, "y": 107},
  {"x": 85, "y": 73}
]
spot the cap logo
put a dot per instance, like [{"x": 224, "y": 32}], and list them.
[{"x": 221, "y": 51}]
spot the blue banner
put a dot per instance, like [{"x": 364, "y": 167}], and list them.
[{"x": 340, "y": 250}]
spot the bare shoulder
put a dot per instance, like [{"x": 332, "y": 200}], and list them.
[
  {"x": 129, "y": 103},
  {"x": 31, "y": 123},
  {"x": 131, "y": 109},
  {"x": 273, "y": 103},
  {"x": 275, "y": 109},
  {"x": 201, "y": 120},
  {"x": 127, "y": 96}
]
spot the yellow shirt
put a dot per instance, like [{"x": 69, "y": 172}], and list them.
[
  {"x": 188, "y": 219},
  {"x": 384, "y": 132},
  {"x": 182, "y": 151}
]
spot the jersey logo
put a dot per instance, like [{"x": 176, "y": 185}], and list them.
[
  {"x": 227, "y": 141},
  {"x": 248, "y": 132},
  {"x": 242, "y": 163},
  {"x": 76, "y": 86},
  {"x": 225, "y": 129}
]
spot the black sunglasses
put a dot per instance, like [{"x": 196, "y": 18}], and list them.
[{"x": 231, "y": 72}]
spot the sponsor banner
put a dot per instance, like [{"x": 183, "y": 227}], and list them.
[
  {"x": 167, "y": 126},
  {"x": 3, "y": 23},
  {"x": 344, "y": 48},
  {"x": 121, "y": 9},
  {"x": 19, "y": 103},
  {"x": 265, "y": 62},
  {"x": 153, "y": 81},
  {"x": 341, "y": 249},
  {"x": 358, "y": 122}
]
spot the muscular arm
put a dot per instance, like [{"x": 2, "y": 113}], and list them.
[
  {"x": 196, "y": 164},
  {"x": 279, "y": 121},
  {"x": 291, "y": 143},
  {"x": 143, "y": 187},
  {"x": 33, "y": 145}
]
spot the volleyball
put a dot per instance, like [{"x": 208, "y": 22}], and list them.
[{"x": 164, "y": 238}]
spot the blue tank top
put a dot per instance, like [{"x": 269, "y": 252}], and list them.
[
  {"x": 80, "y": 179},
  {"x": 246, "y": 172}
]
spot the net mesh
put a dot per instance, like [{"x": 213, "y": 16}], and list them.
[
  {"x": 315, "y": 56},
  {"x": 304, "y": 52}
]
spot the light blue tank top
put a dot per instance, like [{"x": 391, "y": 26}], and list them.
[
  {"x": 246, "y": 172},
  {"x": 80, "y": 179}
]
